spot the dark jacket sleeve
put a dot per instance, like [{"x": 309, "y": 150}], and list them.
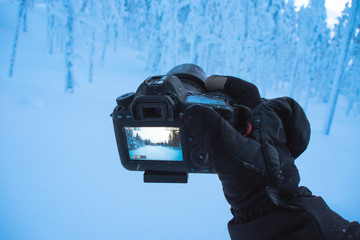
[
  {"x": 280, "y": 224},
  {"x": 352, "y": 232},
  {"x": 310, "y": 218}
]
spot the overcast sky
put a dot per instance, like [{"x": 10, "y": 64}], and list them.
[
  {"x": 155, "y": 134},
  {"x": 334, "y": 8}
]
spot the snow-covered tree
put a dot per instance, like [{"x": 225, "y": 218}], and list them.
[
  {"x": 350, "y": 86},
  {"x": 350, "y": 34},
  {"x": 69, "y": 45},
  {"x": 23, "y": 8},
  {"x": 268, "y": 42},
  {"x": 174, "y": 138},
  {"x": 313, "y": 42}
]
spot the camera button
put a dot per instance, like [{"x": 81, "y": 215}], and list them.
[
  {"x": 120, "y": 116},
  {"x": 190, "y": 139},
  {"x": 200, "y": 158}
]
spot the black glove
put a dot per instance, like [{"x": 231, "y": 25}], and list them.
[
  {"x": 233, "y": 154},
  {"x": 238, "y": 160},
  {"x": 280, "y": 143}
]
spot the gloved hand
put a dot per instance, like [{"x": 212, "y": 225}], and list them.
[
  {"x": 250, "y": 168},
  {"x": 280, "y": 125},
  {"x": 239, "y": 160}
]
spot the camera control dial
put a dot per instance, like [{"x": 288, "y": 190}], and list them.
[{"x": 125, "y": 99}]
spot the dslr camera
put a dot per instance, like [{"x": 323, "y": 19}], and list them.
[{"x": 150, "y": 132}]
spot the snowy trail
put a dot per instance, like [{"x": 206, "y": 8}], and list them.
[{"x": 157, "y": 153}]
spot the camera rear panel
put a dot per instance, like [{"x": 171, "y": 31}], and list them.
[
  {"x": 158, "y": 146},
  {"x": 150, "y": 131}
]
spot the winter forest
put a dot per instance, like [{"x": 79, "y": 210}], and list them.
[
  {"x": 268, "y": 43},
  {"x": 64, "y": 62}
]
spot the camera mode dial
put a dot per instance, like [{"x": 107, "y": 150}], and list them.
[{"x": 125, "y": 99}]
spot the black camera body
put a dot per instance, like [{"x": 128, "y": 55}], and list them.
[{"x": 150, "y": 131}]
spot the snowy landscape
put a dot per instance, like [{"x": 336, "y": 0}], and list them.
[
  {"x": 63, "y": 64},
  {"x": 154, "y": 143},
  {"x": 156, "y": 153}
]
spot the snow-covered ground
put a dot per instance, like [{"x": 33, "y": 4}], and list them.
[
  {"x": 157, "y": 153},
  {"x": 60, "y": 174}
]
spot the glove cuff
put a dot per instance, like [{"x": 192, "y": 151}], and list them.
[{"x": 251, "y": 213}]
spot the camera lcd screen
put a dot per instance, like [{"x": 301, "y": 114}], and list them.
[
  {"x": 154, "y": 143},
  {"x": 205, "y": 100}
]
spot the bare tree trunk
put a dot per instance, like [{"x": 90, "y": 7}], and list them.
[
  {"x": 91, "y": 56},
  {"x": 16, "y": 38},
  {"x": 345, "y": 45},
  {"x": 69, "y": 48}
]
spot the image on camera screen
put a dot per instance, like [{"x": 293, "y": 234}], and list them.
[{"x": 154, "y": 143}]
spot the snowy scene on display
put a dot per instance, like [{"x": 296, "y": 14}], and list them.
[
  {"x": 154, "y": 143},
  {"x": 63, "y": 63}
]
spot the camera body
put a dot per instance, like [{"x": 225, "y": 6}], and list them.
[{"x": 150, "y": 132}]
